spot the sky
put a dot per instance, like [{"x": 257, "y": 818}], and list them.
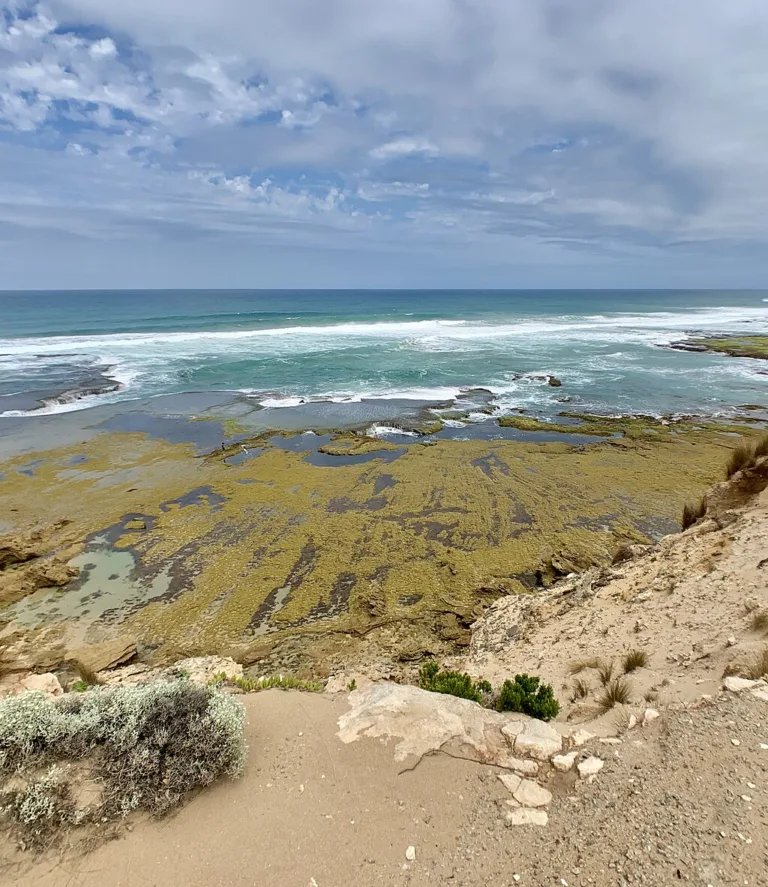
[{"x": 383, "y": 143}]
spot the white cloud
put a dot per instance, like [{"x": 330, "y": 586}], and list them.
[
  {"x": 404, "y": 147},
  {"x": 347, "y": 108}
]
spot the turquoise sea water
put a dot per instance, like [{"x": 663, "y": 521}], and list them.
[{"x": 65, "y": 351}]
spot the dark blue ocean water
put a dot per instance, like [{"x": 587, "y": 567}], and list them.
[{"x": 285, "y": 345}]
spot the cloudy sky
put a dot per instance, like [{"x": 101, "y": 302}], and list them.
[{"x": 516, "y": 143}]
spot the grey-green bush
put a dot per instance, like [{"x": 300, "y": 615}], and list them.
[{"x": 149, "y": 745}]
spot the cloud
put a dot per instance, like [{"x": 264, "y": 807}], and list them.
[
  {"x": 487, "y": 125},
  {"x": 404, "y": 147}
]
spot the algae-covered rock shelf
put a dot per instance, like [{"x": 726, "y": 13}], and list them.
[{"x": 375, "y": 551}]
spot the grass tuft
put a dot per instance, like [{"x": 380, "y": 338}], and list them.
[
  {"x": 580, "y": 689},
  {"x": 605, "y": 672},
  {"x": 759, "y": 621},
  {"x": 693, "y": 512},
  {"x": 741, "y": 456},
  {"x": 757, "y": 667},
  {"x": 761, "y": 447},
  {"x": 580, "y": 665},
  {"x": 616, "y": 692},
  {"x": 633, "y": 660}
]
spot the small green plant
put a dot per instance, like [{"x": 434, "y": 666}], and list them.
[
  {"x": 352, "y": 686},
  {"x": 605, "y": 672},
  {"x": 759, "y": 621},
  {"x": 85, "y": 673},
  {"x": 528, "y": 695},
  {"x": 453, "y": 683},
  {"x": 616, "y": 692},
  {"x": 741, "y": 456},
  {"x": 79, "y": 686},
  {"x": 272, "y": 682},
  {"x": 693, "y": 512},
  {"x": 580, "y": 689},
  {"x": 635, "y": 659}
]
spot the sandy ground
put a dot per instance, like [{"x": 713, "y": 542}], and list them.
[{"x": 684, "y": 800}]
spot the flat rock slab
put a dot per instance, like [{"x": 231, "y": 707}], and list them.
[
  {"x": 424, "y": 722},
  {"x": 99, "y": 657},
  {"x": 527, "y": 816},
  {"x": 590, "y": 767},
  {"x": 539, "y": 741},
  {"x": 531, "y": 794}
]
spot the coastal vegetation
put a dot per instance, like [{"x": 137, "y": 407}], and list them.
[
  {"x": 745, "y": 454},
  {"x": 525, "y": 693},
  {"x": 529, "y": 695},
  {"x": 129, "y": 748},
  {"x": 693, "y": 511},
  {"x": 735, "y": 346},
  {"x": 452, "y": 683},
  {"x": 617, "y": 691}
]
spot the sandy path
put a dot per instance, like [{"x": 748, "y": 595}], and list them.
[{"x": 350, "y": 825}]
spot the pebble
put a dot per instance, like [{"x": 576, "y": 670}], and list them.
[
  {"x": 735, "y": 742},
  {"x": 590, "y": 767},
  {"x": 563, "y": 763},
  {"x": 526, "y": 816},
  {"x": 649, "y": 716},
  {"x": 410, "y": 853},
  {"x": 531, "y": 794}
]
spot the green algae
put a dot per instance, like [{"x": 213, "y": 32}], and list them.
[
  {"x": 360, "y": 550},
  {"x": 736, "y": 346},
  {"x": 351, "y": 444}
]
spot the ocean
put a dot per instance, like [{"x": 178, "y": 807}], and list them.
[{"x": 64, "y": 351}]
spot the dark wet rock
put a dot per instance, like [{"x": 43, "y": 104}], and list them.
[{"x": 554, "y": 382}]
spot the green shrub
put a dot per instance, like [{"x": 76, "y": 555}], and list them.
[
  {"x": 528, "y": 695},
  {"x": 148, "y": 745},
  {"x": 452, "y": 683}
]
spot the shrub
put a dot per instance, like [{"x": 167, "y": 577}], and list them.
[
  {"x": 528, "y": 695},
  {"x": 693, "y": 512},
  {"x": 759, "y": 621},
  {"x": 635, "y": 659},
  {"x": 741, "y": 456},
  {"x": 41, "y": 808},
  {"x": 616, "y": 692},
  {"x": 452, "y": 683},
  {"x": 149, "y": 745}
]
